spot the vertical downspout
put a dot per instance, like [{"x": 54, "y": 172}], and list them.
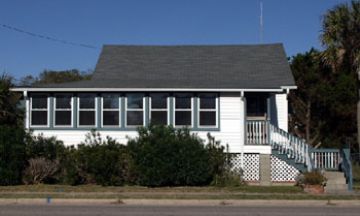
[{"x": 242, "y": 98}]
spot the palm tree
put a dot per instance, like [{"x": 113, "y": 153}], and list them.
[{"x": 341, "y": 38}]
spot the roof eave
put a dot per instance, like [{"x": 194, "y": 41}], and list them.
[{"x": 31, "y": 89}]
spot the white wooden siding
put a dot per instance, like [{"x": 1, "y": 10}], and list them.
[
  {"x": 231, "y": 122},
  {"x": 74, "y": 137},
  {"x": 279, "y": 111}
]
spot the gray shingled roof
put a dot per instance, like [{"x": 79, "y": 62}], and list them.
[{"x": 193, "y": 66}]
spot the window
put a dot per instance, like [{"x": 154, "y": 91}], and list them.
[
  {"x": 183, "y": 110},
  {"x": 135, "y": 110},
  {"x": 87, "y": 110},
  {"x": 207, "y": 110},
  {"x": 256, "y": 105},
  {"x": 39, "y": 110},
  {"x": 63, "y": 110},
  {"x": 159, "y": 109},
  {"x": 110, "y": 110}
]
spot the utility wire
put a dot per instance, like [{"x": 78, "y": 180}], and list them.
[{"x": 12, "y": 28}]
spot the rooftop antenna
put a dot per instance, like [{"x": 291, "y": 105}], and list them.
[{"x": 261, "y": 23}]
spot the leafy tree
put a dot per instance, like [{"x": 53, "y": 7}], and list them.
[
  {"x": 341, "y": 38},
  {"x": 324, "y": 103},
  {"x": 12, "y": 154},
  {"x": 307, "y": 71},
  {"x": 10, "y": 114},
  {"x": 51, "y": 76}
]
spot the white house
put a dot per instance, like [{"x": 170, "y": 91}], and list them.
[{"x": 238, "y": 93}]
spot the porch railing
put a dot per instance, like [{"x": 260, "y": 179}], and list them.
[
  {"x": 327, "y": 159},
  {"x": 334, "y": 159},
  {"x": 257, "y": 132}
]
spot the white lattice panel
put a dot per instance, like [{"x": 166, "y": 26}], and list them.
[
  {"x": 281, "y": 171},
  {"x": 251, "y": 166}
]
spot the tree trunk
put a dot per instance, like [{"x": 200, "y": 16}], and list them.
[{"x": 308, "y": 121}]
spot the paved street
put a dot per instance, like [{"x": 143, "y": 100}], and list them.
[{"x": 104, "y": 210}]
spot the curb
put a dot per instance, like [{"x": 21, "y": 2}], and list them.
[{"x": 182, "y": 202}]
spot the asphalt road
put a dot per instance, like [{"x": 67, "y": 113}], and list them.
[{"x": 105, "y": 210}]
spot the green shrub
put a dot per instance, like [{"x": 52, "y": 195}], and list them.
[
  {"x": 164, "y": 156},
  {"x": 220, "y": 163},
  {"x": 69, "y": 170},
  {"x": 47, "y": 147},
  {"x": 12, "y": 154},
  {"x": 97, "y": 161},
  {"x": 228, "y": 179},
  {"x": 311, "y": 178},
  {"x": 48, "y": 151}
]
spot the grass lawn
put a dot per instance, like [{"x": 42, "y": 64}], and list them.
[
  {"x": 138, "y": 189},
  {"x": 136, "y": 192}
]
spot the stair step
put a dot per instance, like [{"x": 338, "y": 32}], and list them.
[{"x": 336, "y": 183}]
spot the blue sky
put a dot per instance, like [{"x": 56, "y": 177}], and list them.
[{"x": 295, "y": 23}]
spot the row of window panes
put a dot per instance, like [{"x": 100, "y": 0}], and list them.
[{"x": 159, "y": 106}]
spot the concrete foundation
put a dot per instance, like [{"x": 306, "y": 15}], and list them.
[{"x": 265, "y": 169}]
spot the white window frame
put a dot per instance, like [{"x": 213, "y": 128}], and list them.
[
  {"x": 191, "y": 109},
  {"x": 110, "y": 109},
  {"x": 40, "y": 109},
  {"x": 161, "y": 109},
  {"x": 208, "y": 110},
  {"x": 134, "y": 109},
  {"x": 86, "y": 109},
  {"x": 64, "y": 109}
]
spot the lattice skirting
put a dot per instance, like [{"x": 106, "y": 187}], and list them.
[
  {"x": 251, "y": 166},
  {"x": 281, "y": 171}
]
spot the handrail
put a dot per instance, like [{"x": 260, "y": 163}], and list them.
[
  {"x": 327, "y": 159},
  {"x": 260, "y": 132},
  {"x": 346, "y": 167},
  {"x": 291, "y": 145}
]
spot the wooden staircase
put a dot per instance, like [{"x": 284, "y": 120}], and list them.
[{"x": 297, "y": 153}]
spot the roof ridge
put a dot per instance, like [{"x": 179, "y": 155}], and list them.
[{"x": 193, "y": 45}]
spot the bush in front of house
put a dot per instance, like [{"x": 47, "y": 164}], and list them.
[
  {"x": 44, "y": 156},
  {"x": 45, "y": 147},
  {"x": 12, "y": 154},
  {"x": 164, "y": 156},
  {"x": 221, "y": 164},
  {"x": 97, "y": 161},
  {"x": 39, "y": 169},
  {"x": 159, "y": 156},
  {"x": 311, "y": 178}
]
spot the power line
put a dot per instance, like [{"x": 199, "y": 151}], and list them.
[{"x": 12, "y": 28}]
